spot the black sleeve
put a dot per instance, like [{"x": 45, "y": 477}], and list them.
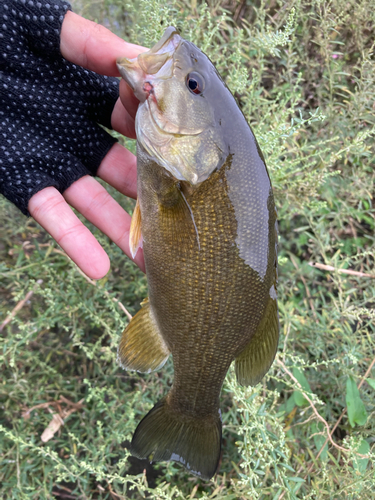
[{"x": 49, "y": 108}]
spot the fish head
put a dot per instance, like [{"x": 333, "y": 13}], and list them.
[{"x": 177, "y": 124}]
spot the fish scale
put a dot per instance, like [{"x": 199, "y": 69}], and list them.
[{"x": 207, "y": 216}]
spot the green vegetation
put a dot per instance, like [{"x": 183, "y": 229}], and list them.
[{"x": 303, "y": 72}]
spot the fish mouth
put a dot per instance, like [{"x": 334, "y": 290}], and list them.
[
  {"x": 152, "y": 61},
  {"x": 171, "y": 37},
  {"x": 142, "y": 70}
]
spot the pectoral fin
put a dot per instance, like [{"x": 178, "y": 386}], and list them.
[
  {"x": 257, "y": 357},
  {"x": 135, "y": 237},
  {"x": 142, "y": 348},
  {"x": 177, "y": 220}
]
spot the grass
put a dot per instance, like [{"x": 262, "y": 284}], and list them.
[{"x": 303, "y": 73}]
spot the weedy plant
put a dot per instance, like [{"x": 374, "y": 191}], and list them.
[{"x": 303, "y": 74}]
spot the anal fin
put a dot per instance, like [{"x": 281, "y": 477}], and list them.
[
  {"x": 257, "y": 357},
  {"x": 135, "y": 236},
  {"x": 142, "y": 348}
]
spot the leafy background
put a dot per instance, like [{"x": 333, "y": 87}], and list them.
[{"x": 303, "y": 74}]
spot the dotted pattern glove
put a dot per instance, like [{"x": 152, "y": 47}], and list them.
[{"x": 49, "y": 108}]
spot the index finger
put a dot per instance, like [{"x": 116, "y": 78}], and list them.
[{"x": 93, "y": 46}]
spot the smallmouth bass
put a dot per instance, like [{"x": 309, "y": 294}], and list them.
[{"x": 206, "y": 214}]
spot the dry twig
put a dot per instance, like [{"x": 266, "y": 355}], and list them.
[
  {"x": 57, "y": 418},
  {"x": 324, "y": 267},
  {"x": 63, "y": 413},
  {"x": 19, "y": 306},
  {"x": 114, "y": 495}
]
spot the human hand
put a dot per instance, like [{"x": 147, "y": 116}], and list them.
[{"x": 94, "y": 47}]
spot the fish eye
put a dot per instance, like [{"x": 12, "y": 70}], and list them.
[{"x": 195, "y": 83}]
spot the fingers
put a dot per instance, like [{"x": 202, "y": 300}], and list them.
[
  {"x": 128, "y": 98},
  {"x": 122, "y": 121},
  {"x": 93, "y": 46},
  {"x": 119, "y": 169},
  {"x": 96, "y": 204},
  {"x": 51, "y": 211}
]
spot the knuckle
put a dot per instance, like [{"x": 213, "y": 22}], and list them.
[
  {"x": 123, "y": 237},
  {"x": 44, "y": 201},
  {"x": 70, "y": 232},
  {"x": 98, "y": 201}
]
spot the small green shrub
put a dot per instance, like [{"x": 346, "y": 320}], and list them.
[{"x": 303, "y": 74}]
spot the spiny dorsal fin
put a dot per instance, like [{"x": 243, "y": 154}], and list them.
[
  {"x": 257, "y": 357},
  {"x": 142, "y": 348},
  {"x": 135, "y": 236}
]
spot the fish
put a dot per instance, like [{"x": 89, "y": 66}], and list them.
[{"x": 206, "y": 218}]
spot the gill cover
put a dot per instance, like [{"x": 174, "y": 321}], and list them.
[{"x": 175, "y": 121}]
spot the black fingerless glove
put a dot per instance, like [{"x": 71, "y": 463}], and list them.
[{"x": 49, "y": 108}]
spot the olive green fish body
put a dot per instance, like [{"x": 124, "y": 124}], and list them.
[{"x": 210, "y": 247}]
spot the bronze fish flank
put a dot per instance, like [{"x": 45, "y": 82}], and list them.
[{"x": 206, "y": 213}]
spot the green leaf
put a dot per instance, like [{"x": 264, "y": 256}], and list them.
[
  {"x": 356, "y": 409},
  {"x": 299, "y": 399},
  {"x": 371, "y": 382},
  {"x": 290, "y": 404},
  {"x": 360, "y": 464},
  {"x": 296, "y": 479},
  {"x": 319, "y": 439}
]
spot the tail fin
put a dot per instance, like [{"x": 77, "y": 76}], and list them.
[{"x": 164, "y": 434}]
